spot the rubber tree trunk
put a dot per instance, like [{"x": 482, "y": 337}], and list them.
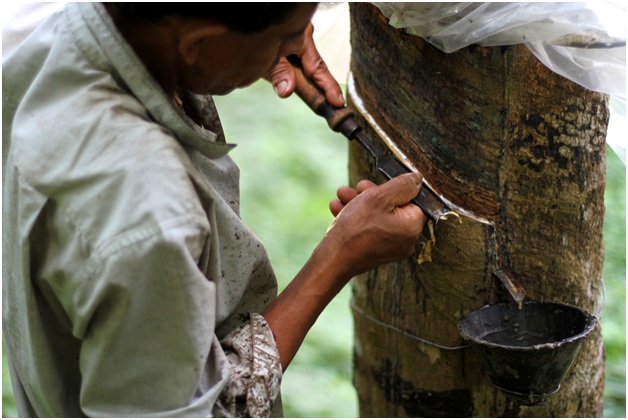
[{"x": 500, "y": 135}]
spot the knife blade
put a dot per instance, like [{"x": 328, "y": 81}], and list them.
[{"x": 342, "y": 121}]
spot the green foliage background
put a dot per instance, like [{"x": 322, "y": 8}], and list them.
[{"x": 291, "y": 165}]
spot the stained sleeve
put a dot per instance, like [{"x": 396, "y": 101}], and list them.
[{"x": 253, "y": 389}]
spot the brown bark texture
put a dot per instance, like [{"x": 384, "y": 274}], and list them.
[{"x": 500, "y": 135}]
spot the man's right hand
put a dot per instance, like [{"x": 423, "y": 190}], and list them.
[{"x": 375, "y": 224}]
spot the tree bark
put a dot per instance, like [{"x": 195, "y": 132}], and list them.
[{"x": 503, "y": 137}]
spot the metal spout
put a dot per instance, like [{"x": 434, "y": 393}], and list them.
[{"x": 517, "y": 291}]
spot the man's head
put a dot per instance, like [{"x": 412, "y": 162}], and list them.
[
  {"x": 212, "y": 48},
  {"x": 239, "y": 17}
]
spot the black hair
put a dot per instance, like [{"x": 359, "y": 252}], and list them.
[{"x": 240, "y": 17}]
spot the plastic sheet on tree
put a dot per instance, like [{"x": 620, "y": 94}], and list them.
[{"x": 584, "y": 42}]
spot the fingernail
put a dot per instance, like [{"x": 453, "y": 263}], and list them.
[
  {"x": 281, "y": 87},
  {"x": 341, "y": 98}
]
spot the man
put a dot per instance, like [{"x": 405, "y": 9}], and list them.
[{"x": 131, "y": 287}]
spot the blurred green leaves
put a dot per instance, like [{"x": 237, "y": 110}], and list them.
[{"x": 614, "y": 313}]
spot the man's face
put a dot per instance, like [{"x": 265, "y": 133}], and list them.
[{"x": 237, "y": 60}]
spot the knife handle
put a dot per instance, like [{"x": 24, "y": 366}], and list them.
[{"x": 339, "y": 119}]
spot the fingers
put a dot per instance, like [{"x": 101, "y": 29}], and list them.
[
  {"x": 400, "y": 190},
  {"x": 378, "y": 225},
  {"x": 364, "y": 185},
  {"x": 315, "y": 68},
  {"x": 335, "y": 206},
  {"x": 344, "y": 194},
  {"x": 415, "y": 214},
  {"x": 403, "y": 189},
  {"x": 281, "y": 75}
]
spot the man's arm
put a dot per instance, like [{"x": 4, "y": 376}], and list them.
[{"x": 375, "y": 227}]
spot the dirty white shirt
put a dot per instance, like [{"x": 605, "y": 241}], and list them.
[{"x": 131, "y": 287}]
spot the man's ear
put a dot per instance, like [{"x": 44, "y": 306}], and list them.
[{"x": 195, "y": 35}]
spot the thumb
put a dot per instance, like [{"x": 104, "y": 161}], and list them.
[
  {"x": 402, "y": 189},
  {"x": 281, "y": 75}
]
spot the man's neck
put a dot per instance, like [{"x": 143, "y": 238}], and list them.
[{"x": 155, "y": 45}]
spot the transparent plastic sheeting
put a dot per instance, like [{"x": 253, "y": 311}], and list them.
[{"x": 584, "y": 42}]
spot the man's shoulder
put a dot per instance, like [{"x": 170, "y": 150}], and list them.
[
  {"x": 105, "y": 163},
  {"x": 21, "y": 19}
]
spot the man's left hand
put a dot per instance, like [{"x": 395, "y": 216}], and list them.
[{"x": 282, "y": 73}]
